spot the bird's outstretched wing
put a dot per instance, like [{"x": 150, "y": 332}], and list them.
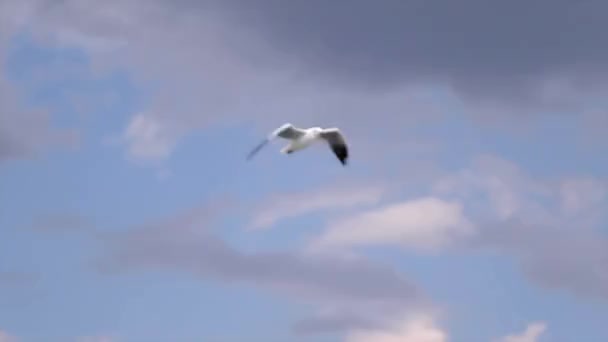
[
  {"x": 257, "y": 148},
  {"x": 286, "y": 131},
  {"x": 337, "y": 143}
]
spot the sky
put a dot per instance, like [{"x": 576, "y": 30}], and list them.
[{"x": 474, "y": 206}]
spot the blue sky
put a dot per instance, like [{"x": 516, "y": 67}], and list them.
[{"x": 471, "y": 210}]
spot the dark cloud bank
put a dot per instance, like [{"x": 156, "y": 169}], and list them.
[{"x": 485, "y": 49}]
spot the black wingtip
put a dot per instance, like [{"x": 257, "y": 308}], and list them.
[{"x": 341, "y": 153}]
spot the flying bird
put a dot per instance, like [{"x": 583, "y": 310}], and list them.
[{"x": 302, "y": 138}]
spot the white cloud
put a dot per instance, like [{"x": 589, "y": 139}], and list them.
[
  {"x": 147, "y": 138},
  {"x": 497, "y": 187},
  {"x": 284, "y": 206},
  {"x": 421, "y": 328},
  {"x": 426, "y": 224},
  {"x": 531, "y": 334}
]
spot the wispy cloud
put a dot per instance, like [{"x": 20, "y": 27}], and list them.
[
  {"x": 147, "y": 139},
  {"x": 415, "y": 328},
  {"x": 532, "y": 333},
  {"x": 324, "y": 199}
]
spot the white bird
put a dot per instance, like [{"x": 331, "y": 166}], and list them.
[{"x": 303, "y": 138}]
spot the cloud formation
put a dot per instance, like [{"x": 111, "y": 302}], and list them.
[
  {"x": 421, "y": 328},
  {"x": 555, "y": 257},
  {"x": 516, "y": 51},
  {"x": 197, "y": 66},
  {"x": 427, "y": 224},
  {"x": 532, "y": 333},
  {"x": 147, "y": 139},
  {"x": 185, "y": 243},
  {"x": 199, "y": 61},
  {"x": 492, "y": 204},
  {"x": 330, "y": 198},
  {"x": 553, "y": 227},
  {"x": 24, "y": 132}
]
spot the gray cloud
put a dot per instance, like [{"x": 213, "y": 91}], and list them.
[
  {"x": 489, "y": 48},
  {"x": 560, "y": 258},
  {"x": 210, "y": 69},
  {"x": 266, "y": 61},
  {"x": 552, "y": 227},
  {"x": 372, "y": 292},
  {"x": 23, "y": 131},
  {"x": 222, "y": 59},
  {"x": 210, "y": 256}
]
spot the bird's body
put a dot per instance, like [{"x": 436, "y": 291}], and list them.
[
  {"x": 302, "y": 138},
  {"x": 303, "y": 141}
]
